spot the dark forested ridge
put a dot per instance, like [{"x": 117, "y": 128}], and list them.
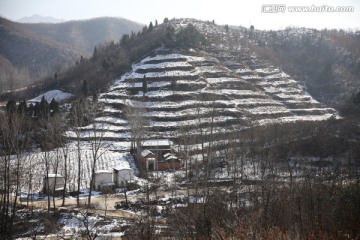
[{"x": 326, "y": 61}]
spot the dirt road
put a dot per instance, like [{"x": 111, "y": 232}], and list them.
[{"x": 104, "y": 204}]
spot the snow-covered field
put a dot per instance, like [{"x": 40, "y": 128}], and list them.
[{"x": 109, "y": 158}]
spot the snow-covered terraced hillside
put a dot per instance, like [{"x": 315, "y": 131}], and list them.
[{"x": 224, "y": 89}]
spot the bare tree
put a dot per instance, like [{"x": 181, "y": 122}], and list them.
[
  {"x": 64, "y": 152},
  {"x": 77, "y": 117},
  {"x": 47, "y": 158},
  {"x": 97, "y": 144},
  {"x": 88, "y": 232},
  {"x": 135, "y": 114},
  {"x": 15, "y": 131}
]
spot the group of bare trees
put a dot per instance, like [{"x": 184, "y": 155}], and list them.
[
  {"x": 291, "y": 180},
  {"x": 18, "y": 129},
  {"x": 15, "y": 133}
]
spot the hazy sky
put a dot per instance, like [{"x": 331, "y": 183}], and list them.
[{"x": 232, "y": 12}]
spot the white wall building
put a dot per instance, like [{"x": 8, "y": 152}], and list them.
[
  {"x": 103, "y": 178},
  {"x": 53, "y": 180},
  {"x": 123, "y": 176}
]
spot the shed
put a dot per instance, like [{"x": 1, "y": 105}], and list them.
[
  {"x": 148, "y": 159},
  {"x": 103, "y": 178},
  {"x": 122, "y": 176},
  {"x": 56, "y": 184},
  {"x": 169, "y": 162}
]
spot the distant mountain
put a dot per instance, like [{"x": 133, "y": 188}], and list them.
[
  {"x": 39, "y": 19},
  {"x": 41, "y": 49},
  {"x": 86, "y": 34},
  {"x": 36, "y": 53}
]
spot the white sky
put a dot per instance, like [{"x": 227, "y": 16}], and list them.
[{"x": 232, "y": 12}]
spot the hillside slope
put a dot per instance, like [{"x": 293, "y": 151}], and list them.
[
  {"x": 327, "y": 62},
  {"x": 205, "y": 96}
]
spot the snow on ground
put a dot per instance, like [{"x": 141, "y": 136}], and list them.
[
  {"x": 163, "y": 74},
  {"x": 243, "y": 70},
  {"x": 176, "y": 56},
  {"x": 162, "y": 65},
  {"x": 267, "y": 71},
  {"x": 56, "y": 94},
  {"x": 124, "y": 86},
  {"x": 277, "y": 75},
  {"x": 269, "y": 110},
  {"x": 112, "y": 120},
  {"x": 85, "y": 135},
  {"x": 321, "y": 117},
  {"x": 108, "y": 159},
  {"x": 163, "y": 57},
  {"x": 211, "y": 69},
  {"x": 216, "y": 119},
  {"x": 73, "y": 225},
  {"x": 255, "y": 101},
  {"x": 222, "y": 80}
]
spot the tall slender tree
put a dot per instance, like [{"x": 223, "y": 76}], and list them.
[{"x": 77, "y": 117}]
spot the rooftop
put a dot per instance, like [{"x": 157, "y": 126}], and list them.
[
  {"x": 53, "y": 175},
  {"x": 122, "y": 168},
  {"x": 103, "y": 171},
  {"x": 145, "y": 152},
  {"x": 156, "y": 142}
]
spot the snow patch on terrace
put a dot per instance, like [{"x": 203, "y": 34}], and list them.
[
  {"x": 321, "y": 117},
  {"x": 176, "y": 56},
  {"x": 162, "y": 65},
  {"x": 269, "y": 110},
  {"x": 163, "y": 57},
  {"x": 174, "y": 73}
]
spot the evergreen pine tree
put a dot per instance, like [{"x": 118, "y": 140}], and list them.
[
  {"x": 54, "y": 106},
  {"x": 44, "y": 108},
  {"x": 144, "y": 85},
  {"x": 94, "y": 57},
  {"x": 11, "y": 107},
  {"x": 22, "y": 108},
  {"x": 37, "y": 109},
  {"x": 84, "y": 88},
  {"x": 124, "y": 40}
]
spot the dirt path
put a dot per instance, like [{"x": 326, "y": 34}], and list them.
[{"x": 103, "y": 204}]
